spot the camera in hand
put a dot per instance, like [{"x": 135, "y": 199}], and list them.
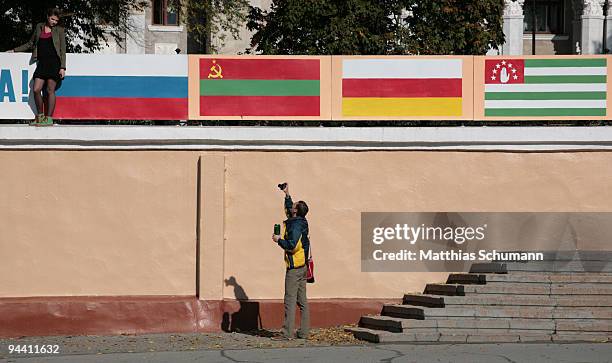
[{"x": 282, "y": 186}]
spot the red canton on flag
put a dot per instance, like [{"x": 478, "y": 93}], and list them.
[{"x": 502, "y": 71}]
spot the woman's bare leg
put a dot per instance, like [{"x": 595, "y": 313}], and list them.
[
  {"x": 50, "y": 97},
  {"x": 38, "y": 99}
]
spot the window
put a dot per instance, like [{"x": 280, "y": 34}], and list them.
[
  {"x": 549, "y": 16},
  {"x": 165, "y": 12}
]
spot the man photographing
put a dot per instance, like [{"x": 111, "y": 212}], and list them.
[{"x": 296, "y": 245}]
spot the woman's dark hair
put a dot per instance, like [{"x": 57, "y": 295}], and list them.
[{"x": 54, "y": 12}]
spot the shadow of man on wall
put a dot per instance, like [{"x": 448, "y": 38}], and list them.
[{"x": 247, "y": 318}]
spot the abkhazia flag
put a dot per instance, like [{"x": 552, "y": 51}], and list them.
[{"x": 545, "y": 87}]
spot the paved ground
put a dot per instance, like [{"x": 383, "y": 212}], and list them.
[
  {"x": 325, "y": 345},
  {"x": 83, "y": 345},
  {"x": 489, "y": 353},
  {"x": 149, "y": 343}
]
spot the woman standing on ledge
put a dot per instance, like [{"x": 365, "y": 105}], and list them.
[{"x": 48, "y": 44}]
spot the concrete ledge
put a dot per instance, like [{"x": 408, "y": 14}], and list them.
[{"x": 307, "y": 138}]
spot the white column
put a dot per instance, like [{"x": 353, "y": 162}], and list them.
[
  {"x": 608, "y": 21},
  {"x": 513, "y": 27},
  {"x": 135, "y": 37},
  {"x": 592, "y": 26},
  {"x": 577, "y": 7}
]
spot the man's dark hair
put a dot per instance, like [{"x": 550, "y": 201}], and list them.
[{"x": 301, "y": 209}]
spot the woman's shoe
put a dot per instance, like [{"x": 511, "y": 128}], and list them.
[
  {"x": 37, "y": 119},
  {"x": 46, "y": 121}
]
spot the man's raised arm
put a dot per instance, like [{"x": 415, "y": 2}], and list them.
[{"x": 288, "y": 201}]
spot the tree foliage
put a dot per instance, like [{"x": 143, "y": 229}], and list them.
[
  {"x": 321, "y": 27},
  {"x": 92, "y": 21},
  {"x": 377, "y": 27},
  {"x": 208, "y": 19},
  {"x": 467, "y": 27}
]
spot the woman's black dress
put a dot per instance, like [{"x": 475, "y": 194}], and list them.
[{"x": 48, "y": 62}]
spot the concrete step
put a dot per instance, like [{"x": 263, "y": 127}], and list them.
[
  {"x": 405, "y": 311},
  {"x": 592, "y": 278},
  {"x": 560, "y": 266},
  {"x": 472, "y": 311},
  {"x": 475, "y": 336},
  {"x": 573, "y": 255},
  {"x": 423, "y": 300},
  {"x": 584, "y": 325},
  {"x": 468, "y": 279},
  {"x": 489, "y": 267},
  {"x": 467, "y": 331},
  {"x": 542, "y": 266},
  {"x": 508, "y": 288},
  {"x": 528, "y": 277},
  {"x": 511, "y": 288},
  {"x": 399, "y": 325},
  {"x": 582, "y": 313},
  {"x": 566, "y": 298},
  {"x": 565, "y": 327},
  {"x": 377, "y": 336},
  {"x": 395, "y": 325},
  {"x": 569, "y": 337},
  {"x": 444, "y": 289},
  {"x": 581, "y": 289},
  {"x": 503, "y": 300}
]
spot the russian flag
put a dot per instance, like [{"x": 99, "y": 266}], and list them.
[{"x": 124, "y": 87}]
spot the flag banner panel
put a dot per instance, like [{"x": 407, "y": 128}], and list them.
[
  {"x": 402, "y": 87},
  {"x": 259, "y": 87},
  {"x": 103, "y": 87},
  {"x": 541, "y": 87}
]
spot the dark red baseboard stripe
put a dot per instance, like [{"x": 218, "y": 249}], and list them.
[{"x": 45, "y": 316}]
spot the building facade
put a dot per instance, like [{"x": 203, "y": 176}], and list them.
[
  {"x": 561, "y": 27},
  {"x": 158, "y": 29}
]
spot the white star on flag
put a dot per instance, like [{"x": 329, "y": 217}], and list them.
[
  {"x": 513, "y": 70},
  {"x": 494, "y": 71},
  {"x": 510, "y": 65},
  {"x": 497, "y": 66},
  {"x": 503, "y": 62},
  {"x": 492, "y": 78},
  {"x": 515, "y": 77}
]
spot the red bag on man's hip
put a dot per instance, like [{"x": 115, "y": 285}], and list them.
[{"x": 310, "y": 274}]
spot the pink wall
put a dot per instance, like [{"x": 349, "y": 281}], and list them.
[{"x": 125, "y": 222}]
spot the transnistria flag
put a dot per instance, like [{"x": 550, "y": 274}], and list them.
[
  {"x": 259, "y": 87},
  {"x": 401, "y": 87},
  {"x": 124, "y": 87},
  {"x": 545, "y": 87}
]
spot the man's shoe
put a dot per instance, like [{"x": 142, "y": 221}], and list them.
[
  {"x": 46, "y": 121},
  {"x": 302, "y": 336},
  {"x": 281, "y": 338}
]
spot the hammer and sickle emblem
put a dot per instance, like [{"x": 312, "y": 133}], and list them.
[{"x": 215, "y": 70}]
